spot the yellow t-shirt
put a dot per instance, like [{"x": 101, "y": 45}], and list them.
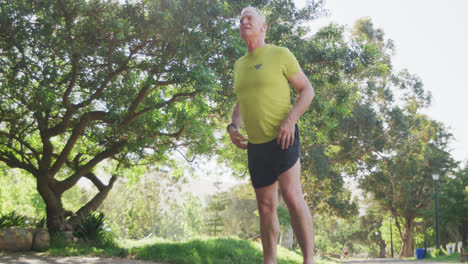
[{"x": 262, "y": 89}]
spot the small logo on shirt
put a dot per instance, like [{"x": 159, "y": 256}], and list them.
[{"x": 258, "y": 66}]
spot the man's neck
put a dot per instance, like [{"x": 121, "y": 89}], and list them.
[{"x": 255, "y": 44}]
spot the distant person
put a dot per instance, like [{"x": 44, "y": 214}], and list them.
[
  {"x": 261, "y": 84},
  {"x": 345, "y": 251}
]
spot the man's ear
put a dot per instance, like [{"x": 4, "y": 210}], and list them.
[{"x": 265, "y": 27}]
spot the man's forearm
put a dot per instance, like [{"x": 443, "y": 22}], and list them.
[
  {"x": 236, "y": 117},
  {"x": 302, "y": 103}
]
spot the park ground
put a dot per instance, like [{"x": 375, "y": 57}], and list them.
[{"x": 41, "y": 258}]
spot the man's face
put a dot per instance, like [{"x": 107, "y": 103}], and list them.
[{"x": 251, "y": 25}]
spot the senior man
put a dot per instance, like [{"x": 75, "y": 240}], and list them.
[{"x": 261, "y": 84}]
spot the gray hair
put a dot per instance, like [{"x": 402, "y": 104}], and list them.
[{"x": 255, "y": 10}]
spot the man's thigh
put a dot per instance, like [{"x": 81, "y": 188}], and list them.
[
  {"x": 290, "y": 180},
  {"x": 268, "y": 195}
]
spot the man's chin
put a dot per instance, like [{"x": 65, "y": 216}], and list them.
[{"x": 245, "y": 35}]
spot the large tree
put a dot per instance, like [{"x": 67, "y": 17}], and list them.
[
  {"x": 82, "y": 82},
  {"x": 385, "y": 141},
  {"x": 453, "y": 204}
]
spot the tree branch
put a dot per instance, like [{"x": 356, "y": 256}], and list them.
[
  {"x": 175, "y": 98},
  {"x": 94, "y": 203},
  {"x": 22, "y": 142},
  {"x": 111, "y": 75},
  {"x": 13, "y": 162},
  {"x": 69, "y": 182},
  {"x": 62, "y": 126},
  {"x": 75, "y": 67},
  {"x": 173, "y": 135},
  {"x": 47, "y": 148},
  {"x": 77, "y": 132},
  {"x": 98, "y": 183}
]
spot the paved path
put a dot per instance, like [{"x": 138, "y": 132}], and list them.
[
  {"x": 395, "y": 261},
  {"x": 44, "y": 259}
]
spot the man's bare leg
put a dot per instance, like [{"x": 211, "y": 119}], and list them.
[
  {"x": 301, "y": 219},
  {"x": 267, "y": 202}
]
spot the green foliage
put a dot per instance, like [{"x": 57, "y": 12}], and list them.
[
  {"x": 60, "y": 246},
  {"x": 214, "y": 218},
  {"x": 438, "y": 252},
  {"x": 193, "y": 216},
  {"x": 58, "y": 241},
  {"x": 41, "y": 223},
  {"x": 453, "y": 205},
  {"x": 202, "y": 250},
  {"x": 343, "y": 233},
  {"x": 453, "y": 258},
  {"x": 18, "y": 193},
  {"x": 92, "y": 230},
  {"x": 241, "y": 214},
  {"x": 144, "y": 206},
  {"x": 220, "y": 250},
  {"x": 12, "y": 220},
  {"x": 283, "y": 217},
  {"x": 122, "y": 81},
  {"x": 385, "y": 231},
  {"x": 82, "y": 82}
]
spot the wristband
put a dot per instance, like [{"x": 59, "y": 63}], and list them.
[{"x": 231, "y": 125}]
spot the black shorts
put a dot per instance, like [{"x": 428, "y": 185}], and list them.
[{"x": 267, "y": 161}]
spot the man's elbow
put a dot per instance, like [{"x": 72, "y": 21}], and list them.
[{"x": 310, "y": 92}]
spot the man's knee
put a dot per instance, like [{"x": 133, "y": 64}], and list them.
[
  {"x": 293, "y": 200},
  {"x": 266, "y": 207}
]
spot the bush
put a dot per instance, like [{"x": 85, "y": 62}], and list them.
[
  {"x": 59, "y": 240},
  {"x": 438, "y": 252},
  {"x": 41, "y": 223},
  {"x": 12, "y": 220},
  {"x": 92, "y": 230}
]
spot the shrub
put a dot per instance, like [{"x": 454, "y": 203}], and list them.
[
  {"x": 41, "y": 223},
  {"x": 59, "y": 240},
  {"x": 438, "y": 252},
  {"x": 92, "y": 230},
  {"x": 12, "y": 220}
]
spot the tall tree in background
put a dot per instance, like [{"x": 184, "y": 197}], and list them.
[
  {"x": 214, "y": 218},
  {"x": 453, "y": 202},
  {"x": 400, "y": 176}
]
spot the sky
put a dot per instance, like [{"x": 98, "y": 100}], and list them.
[{"x": 431, "y": 41}]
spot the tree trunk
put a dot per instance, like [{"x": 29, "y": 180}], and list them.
[
  {"x": 56, "y": 215},
  {"x": 56, "y": 220},
  {"x": 454, "y": 236},
  {"x": 463, "y": 228},
  {"x": 407, "y": 246},
  {"x": 54, "y": 208},
  {"x": 382, "y": 247},
  {"x": 94, "y": 204}
]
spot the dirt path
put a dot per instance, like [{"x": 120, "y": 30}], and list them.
[{"x": 44, "y": 259}]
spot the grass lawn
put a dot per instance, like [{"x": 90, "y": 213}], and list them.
[
  {"x": 196, "y": 251},
  {"x": 454, "y": 258}
]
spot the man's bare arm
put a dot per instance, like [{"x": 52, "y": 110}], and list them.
[
  {"x": 236, "y": 137},
  {"x": 306, "y": 93}
]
